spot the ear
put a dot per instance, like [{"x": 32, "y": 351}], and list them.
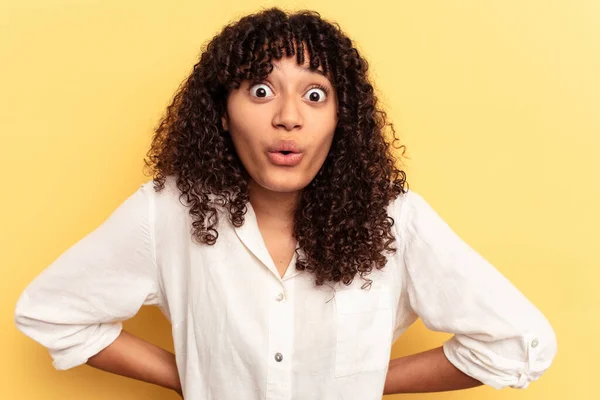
[{"x": 224, "y": 123}]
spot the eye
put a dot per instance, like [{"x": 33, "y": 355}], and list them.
[
  {"x": 260, "y": 90},
  {"x": 317, "y": 95}
]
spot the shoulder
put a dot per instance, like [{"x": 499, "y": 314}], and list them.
[
  {"x": 404, "y": 205},
  {"x": 168, "y": 196},
  {"x": 169, "y": 190},
  {"x": 412, "y": 213},
  {"x": 169, "y": 204},
  {"x": 165, "y": 203}
]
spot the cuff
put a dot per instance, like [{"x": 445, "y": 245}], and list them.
[
  {"x": 103, "y": 336},
  {"x": 477, "y": 360}
]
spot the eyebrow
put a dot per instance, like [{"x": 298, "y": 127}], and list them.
[{"x": 307, "y": 69}]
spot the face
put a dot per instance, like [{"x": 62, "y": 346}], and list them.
[{"x": 293, "y": 109}]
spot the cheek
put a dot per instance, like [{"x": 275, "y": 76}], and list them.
[
  {"x": 327, "y": 120},
  {"x": 326, "y": 126},
  {"x": 239, "y": 111},
  {"x": 247, "y": 124},
  {"x": 322, "y": 146}
]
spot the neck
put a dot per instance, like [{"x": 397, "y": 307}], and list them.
[{"x": 274, "y": 209}]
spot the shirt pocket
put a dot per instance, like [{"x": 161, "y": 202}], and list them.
[{"x": 364, "y": 330}]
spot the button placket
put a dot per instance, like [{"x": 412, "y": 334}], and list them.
[{"x": 280, "y": 341}]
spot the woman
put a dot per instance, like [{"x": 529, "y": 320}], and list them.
[{"x": 279, "y": 239}]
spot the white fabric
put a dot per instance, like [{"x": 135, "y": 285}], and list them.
[{"x": 232, "y": 315}]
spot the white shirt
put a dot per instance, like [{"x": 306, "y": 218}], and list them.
[{"x": 242, "y": 331}]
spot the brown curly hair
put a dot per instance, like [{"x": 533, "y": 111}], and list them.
[{"x": 341, "y": 223}]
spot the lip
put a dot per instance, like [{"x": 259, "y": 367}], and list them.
[
  {"x": 281, "y": 159},
  {"x": 291, "y": 159},
  {"x": 285, "y": 145}
]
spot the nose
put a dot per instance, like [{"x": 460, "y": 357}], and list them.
[{"x": 288, "y": 114}]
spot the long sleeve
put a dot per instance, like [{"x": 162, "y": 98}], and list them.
[
  {"x": 75, "y": 307},
  {"x": 499, "y": 337}
]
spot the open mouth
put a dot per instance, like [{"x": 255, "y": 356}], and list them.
[{"x": 285, "y": 152}]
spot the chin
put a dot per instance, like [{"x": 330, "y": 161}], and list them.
[
  {"x": 284, "y": 188},
  {"x": 283, "y": 184}
]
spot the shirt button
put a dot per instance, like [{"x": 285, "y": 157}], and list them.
[
  {"x": 280, "y": 297},
  {"x": 278, "y": 357},
  {"x": 534, "y": 343}
]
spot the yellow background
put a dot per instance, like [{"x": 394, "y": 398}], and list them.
[{"x": 497, "y": 101}]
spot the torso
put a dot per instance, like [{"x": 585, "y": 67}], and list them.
[
  {"x": 229, "y": 311},
  {"x": 281, "y": 248},
  {"x": 279, "y": 240}
]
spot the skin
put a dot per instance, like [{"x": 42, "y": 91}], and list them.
[
  {"x": 254, "y": 124},
  {"x": 286, "y": 112}
]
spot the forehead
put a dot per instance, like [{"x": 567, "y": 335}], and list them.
[
  {"x": 271, "y": 58},
  {"x": 291, "y": 63}
]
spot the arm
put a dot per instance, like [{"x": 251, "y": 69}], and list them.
[
  {"x": 75, "y": 307},
  {"x": 429, "y": 371},
  {"x": 500, "y": 338},
  {"x": 135, "y": 358}
]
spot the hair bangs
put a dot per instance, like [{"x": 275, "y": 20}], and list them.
[{"x": 255, "y": 53}]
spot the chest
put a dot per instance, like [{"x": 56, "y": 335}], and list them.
[
  {"x": 281, "y": 249},
  {"x": 314, "y": 329}
]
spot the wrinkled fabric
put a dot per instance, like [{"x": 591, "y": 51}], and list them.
[{"x": 242, "y": 331}]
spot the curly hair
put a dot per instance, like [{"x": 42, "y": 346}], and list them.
[{"x": 341, "y": 223}]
